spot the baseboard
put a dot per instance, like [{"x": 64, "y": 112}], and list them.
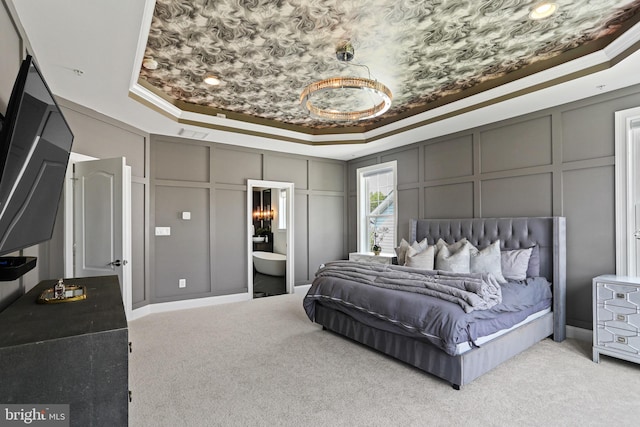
[
  {"x": 579, "y": 333},
  {"x": 196, "y": 303},
  {"x": 302, "y": 288},
  {"x": 186, "y": 304}
]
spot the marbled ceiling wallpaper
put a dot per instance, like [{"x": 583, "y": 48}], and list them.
[{"x": 266, "y": 51}]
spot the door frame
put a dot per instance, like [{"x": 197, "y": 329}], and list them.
[
  {"x": 290, "y": 275},
  {"x": 69, "y": 238},
  {"x": 625, "y": 188}
]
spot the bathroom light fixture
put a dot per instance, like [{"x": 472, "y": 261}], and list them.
[
  {"x": 345, "y": 53},
  {"x": 260, "y": 214},
  {"x": 543, "y": 10}
]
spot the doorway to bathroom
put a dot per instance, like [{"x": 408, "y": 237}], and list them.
[{"x": 270, "y": 238}]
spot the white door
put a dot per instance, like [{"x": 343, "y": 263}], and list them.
[
  {"x": 634, "y": 267},
  {"x": 102, "y": 221}
]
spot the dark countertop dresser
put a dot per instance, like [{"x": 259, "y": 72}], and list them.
[{"x": 72, "y": 353}]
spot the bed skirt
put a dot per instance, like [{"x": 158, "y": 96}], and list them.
[{"x": 457, "y": 370}]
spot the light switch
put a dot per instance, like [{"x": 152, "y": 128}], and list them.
[
  {"x": 163, "y": 231},
  {"x": 186, "y": 215}
]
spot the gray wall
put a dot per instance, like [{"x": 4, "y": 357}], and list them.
[
  {"x": 95, "y": 135},
  {"x": 12, "y": 51},
  {"x": 558, "y": 161},
  {"x": 210, "y": 181},
  {"x": 99, "y": 136}
]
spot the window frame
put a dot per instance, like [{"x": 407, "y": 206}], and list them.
[
  {"x": 362, "y": 224},
  {"x": 281, "y": 213}
]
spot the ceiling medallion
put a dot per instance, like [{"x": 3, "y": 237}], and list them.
[{"x": 345, "y": 53}]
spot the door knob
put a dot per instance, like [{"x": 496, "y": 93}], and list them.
[
  {"x": 637, "y": 234},
  {"x": 118, "y": 263}
]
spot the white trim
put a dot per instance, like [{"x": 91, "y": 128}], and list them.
[
  {"x": 68, "y": 211},
  {"x": 69, "y": 241},
  {"x": 625, "y": 170},
  {"x": 302, "y": 289},
  {"x": 186, "y": 304},
  {"x": 361, "y": 173},
  {"x": 127, "y": 274},
  {"x": 624, "y": 42},
  {"x": 290, "y": 275},
  {"x": 163, "y": 307}
]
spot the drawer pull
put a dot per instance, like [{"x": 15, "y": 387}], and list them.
[
  {"x": 620, "y": 317},
  {"x": 620, "y": 296},
  {"x": 621, "y": 340}
]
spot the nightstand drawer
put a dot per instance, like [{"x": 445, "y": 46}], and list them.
[
  {"x": 618, "y": 339},
  {"x": 370, "y": 257},
  {"x": 618, "y": 295},
  {"x": 618, "y": 317}
]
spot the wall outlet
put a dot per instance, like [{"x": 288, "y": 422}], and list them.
[
  {"x": 182, "y": 283},
  {"x": 163, "y": 231}
]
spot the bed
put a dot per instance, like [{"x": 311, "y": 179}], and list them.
[{"x": 462, "y": 365}]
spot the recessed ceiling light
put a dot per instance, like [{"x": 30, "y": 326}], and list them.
[
  {"x": 212, "y": 80},
  {"x": 150, "y": 63},
  {"x": 543, "y": 10}
]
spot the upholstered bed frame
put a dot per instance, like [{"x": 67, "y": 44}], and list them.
[{"x": 514, "y": 233}]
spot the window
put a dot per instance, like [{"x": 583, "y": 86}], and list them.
[
  {"x": 282, "y": 209},
  {"x": 377, "y": 201}
]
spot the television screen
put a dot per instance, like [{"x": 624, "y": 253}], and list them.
[{"x": 35, "y": 142}]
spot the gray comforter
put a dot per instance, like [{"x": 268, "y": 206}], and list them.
[
  {"x": 373, "y": 297},
  {"x": 475, "y": 291}
]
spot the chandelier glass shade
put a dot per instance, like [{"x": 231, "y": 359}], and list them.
[
  {"x": 358, "y": 83},
  {"x": 379, "y": 95}
]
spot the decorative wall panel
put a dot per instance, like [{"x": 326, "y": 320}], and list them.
[
  {"x": 230, "y": 244},
  {"x": 449, "y": 201},
  {"x": 235, "y": 166},
  {"x": 520, "y": 145},
  {"x": 181, "y": 162},
  {"x": 326, "y": 176},
  {"x": 408, "y": 165},
  {"x": 286, "y": 169},
  {"x": 527, "y": 195},
  {"x": 451, "y": 158},
  {"x": 593, "y": 123},
  {"x": 184, "y": 254}
]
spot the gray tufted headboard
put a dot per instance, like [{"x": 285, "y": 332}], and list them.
[{"x": 549, "y": 233}]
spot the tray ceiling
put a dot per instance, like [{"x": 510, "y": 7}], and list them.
[{"x": 429, "y": 53}]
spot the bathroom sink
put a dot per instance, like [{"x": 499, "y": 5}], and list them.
[{"x": 257, "y": 239}]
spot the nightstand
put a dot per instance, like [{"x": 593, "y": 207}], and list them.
[
  {"x": 370, "y": 257},
  {"x": 616, "y": 317}
]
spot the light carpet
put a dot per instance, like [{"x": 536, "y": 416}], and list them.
[{"x": 263, "y": 363}]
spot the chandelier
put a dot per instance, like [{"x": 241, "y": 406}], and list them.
[{"x": 345, "y": 53}]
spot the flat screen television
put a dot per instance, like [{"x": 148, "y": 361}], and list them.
[{"x": 35, "y": 142}]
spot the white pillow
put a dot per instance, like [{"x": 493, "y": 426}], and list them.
[
  {"x": 457, "y": 262},
  {"x": 401, "y": 251},
  {"x": 420, "y": 246},
  {"x": 424, "y": 259},
  {"x": 515, "y": 263},
  {"x": 453, "y": 247},
  {"x": 487, "y": 260}
]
